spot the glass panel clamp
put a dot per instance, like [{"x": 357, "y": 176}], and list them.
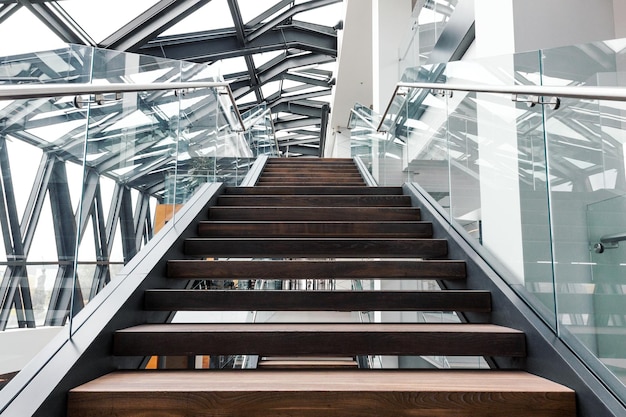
[{"x": 531, "y": 101}]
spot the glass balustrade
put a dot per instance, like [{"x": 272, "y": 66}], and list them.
[
  {"x": 88, "y": 180},
  {"x": 535, "y": 188}
]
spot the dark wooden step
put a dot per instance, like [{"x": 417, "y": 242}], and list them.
[
  {"x": 316, "y": 200},
  {"x": 286, "y": 171},
  {"x": 316, "y": 248},
  {"x": 310, "y": 161},
  {"x": 310, "y": 269},
  {"x": 310, "y": 184},
  {"x": 240, "y": 300},
  {"x": 330, "y": 173},
  {"x": 322, "y": 393},
  {"x": 312, "y": 180},
  {"x": 319, "y": 214},
  {"x": 286, "y": 362},
  {"x": 300, "y": 339},
  {"x": 315, "y": 164},
  {"x": 307, "y": 190},
  {"x": 314, "y": 229}
]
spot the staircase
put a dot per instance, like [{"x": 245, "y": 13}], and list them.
[{"x": 316, "y": 219}]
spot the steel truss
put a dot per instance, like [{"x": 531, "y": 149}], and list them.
[
  {"x": 276, "y": 29},
  {"x": 51, "y": 184}
]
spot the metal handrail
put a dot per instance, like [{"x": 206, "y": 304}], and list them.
[
  {"x": 585, "y": 92},
  {"x": 27, "y": 91}
]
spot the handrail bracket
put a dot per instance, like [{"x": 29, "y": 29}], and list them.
[{"x": 531, "y": 100}]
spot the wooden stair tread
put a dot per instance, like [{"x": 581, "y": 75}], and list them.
[
  {"x": 330, "y": 173},
  {"x": 320, "y": 213},
  {"x": 278, "y": 339},
  {"x": 297, "y": 364},
  {"x": 286, "y": 182},
  {"x": 276, "y": 228},
  {"x": 316, "y": 247},
  {"x": 320, "y": 328},
  {"x": 283, "y": 300},
  {"x": 315, "y": 200},
  {"x": 328, "y": 393},
  {"x": 317, "y": 269},
  {"x": 306, "y": 362},
  {"x": 353, "y": 381},
  {"x": 312, "y": 190}
]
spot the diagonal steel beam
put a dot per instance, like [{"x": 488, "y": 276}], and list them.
[
  {"x": 235, "y": 12},
  {"x": 7, "y": 10},
  {"x": 65, "y": 294},
  {"x": 299, "y": 97},
  {"x": 292, "y": 11},
  {"x": 213, "y": 45},
  {"x": 291, "y": 124},
  {"x": 14, "y": 288},
  {"x": 298, "y": 108},
  {"x": 269, "y": 12},
  {"x": 241, "y": 88},
  {"x": 155, "y": 20},
  {"x": 307, "y": 80},
  {"x": 59, "y": 22}
]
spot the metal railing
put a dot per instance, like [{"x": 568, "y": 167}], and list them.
[
  {"x": 536, "y": 91},
  {"x": 28, "y": 91}
]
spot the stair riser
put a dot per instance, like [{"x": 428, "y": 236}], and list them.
[
  {"x": 448, "y": 270},
  {"x": 193, "y": 300},
  {"x": 308, "y": 181},
  {"x": 285, "y": 190},
  {"x": 318, "y": 214},
  {"x": 310, "y": 162},
  {"x": 315, "y": 201},
  {"x": 312, "y": 229},
  {"x": 289, "y": 183},
  {"x": 324, "y": 248},
  {"x": 323, "y": 403},
  {"x": 316, "y": 343},
  {"x": 331, "y": 173}
]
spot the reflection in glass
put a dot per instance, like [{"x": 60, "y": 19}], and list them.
[
  {"x": 537, "y": 188},
  {"x": 111, "y": 171}
]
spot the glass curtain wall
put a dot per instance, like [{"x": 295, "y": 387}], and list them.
[
  {"x": 88, "y": 180},
  {"x": 540, "y": 190}
]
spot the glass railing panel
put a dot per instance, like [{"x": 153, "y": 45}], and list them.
[
  {"x": 212, "y": 148},
  {"x": 67, "y": 65},
  {"x": 479, "y": 156},
  {"x": 259, "y": 132},
  {"x": 603, "y": 302},
  {"x": 365, "y": 140},
  {"x": 587, "y": 187},
  {"x": 538, "y": 187},
  {"x": 110, "y": 171},
  {"x": 427, "y": 141}
]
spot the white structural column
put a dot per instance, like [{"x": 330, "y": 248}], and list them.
[
  {"x": 390, "y": 25},
  {"x": 499, "y": 180},
  {"x": 498, "y": 165},
  {"x": 509, "y": 26},
  {"x": 354, "y": 74}
]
